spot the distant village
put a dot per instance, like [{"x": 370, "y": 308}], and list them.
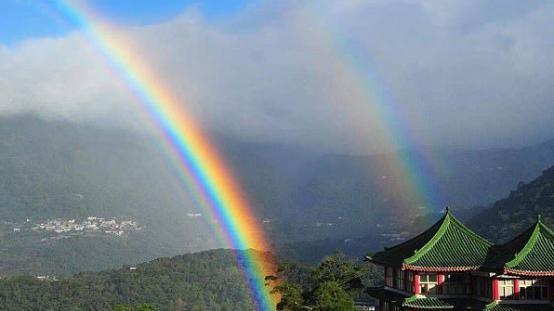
[{"x": 92, "y": 225}]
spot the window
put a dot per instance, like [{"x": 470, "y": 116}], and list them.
[
  {"x": 399, "y": 276},
  {"x": 455, "y": 284},
  {"x": 428, "y": 283},
  {"x": 533, "y": 289},
  {"x": 506, "y": 288},
  {"x": 389, "y": 277}
]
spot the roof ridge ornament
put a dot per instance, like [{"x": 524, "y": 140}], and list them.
[{"x": 539, "y": 218}]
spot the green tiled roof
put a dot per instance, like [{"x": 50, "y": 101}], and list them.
[
  {"x": 418, "y": 302},
  {"x": 530, "y": 253},
  {"x": 494, "y": 306},
  {"x": 448, "y": 245}
]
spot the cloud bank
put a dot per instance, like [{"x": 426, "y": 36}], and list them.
[{"x": 463, "y": 73}]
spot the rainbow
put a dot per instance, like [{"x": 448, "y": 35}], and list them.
[
  {"x": 409, "y": 169},
  {"x": 192, "y": 152}
]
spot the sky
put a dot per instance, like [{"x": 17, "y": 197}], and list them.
[
  {"x": 334, "y": 75},
  {"x": 27, "y": 19}
]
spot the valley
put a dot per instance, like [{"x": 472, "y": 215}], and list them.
[{"x": 51, "y": 175}]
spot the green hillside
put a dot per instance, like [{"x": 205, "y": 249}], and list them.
[{"x": 207, "y": 280}]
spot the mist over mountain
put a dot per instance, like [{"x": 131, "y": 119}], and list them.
[
  {"x": 308, "y": 195},
  {"x": 55, "y": 172},
  {"x": 498, "y": 222}
]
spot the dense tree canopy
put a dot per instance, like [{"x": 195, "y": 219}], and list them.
[
  {"x": 208, "y": 280},
  {"x": 332, "y": 286}
]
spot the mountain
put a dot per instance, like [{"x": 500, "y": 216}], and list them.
[
  {"x": 498, "y": 222},
  {"x": 54, "y": 175},
  {"x": 305, "y": 195},
  {"x": 207, "y": 280},
  {"x": 519, "y": 210}
]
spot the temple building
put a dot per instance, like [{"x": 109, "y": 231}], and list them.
[{"x": 449, "y": 267}]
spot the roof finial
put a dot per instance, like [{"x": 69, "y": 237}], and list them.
[
  {"x": 447, "y": 209},
  {"x": 539, "y": 218}
]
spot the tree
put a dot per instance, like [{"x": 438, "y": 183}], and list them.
[
  {"x": 330, "y": 286},
  {"x": 337, "y": 268},
  {"x": 330, "y": 296},
  {"x": 291, "y": 297}
]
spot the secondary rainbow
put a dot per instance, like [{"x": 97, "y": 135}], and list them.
[
  {"x": 376, "y": 113},
  {"x": 192, "y": 152}
]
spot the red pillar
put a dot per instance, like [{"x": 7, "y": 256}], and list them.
[
  {"x": 495, "y": 289},
  {"x": 417, "y": 290},
  {"x": 440, "y": 281},
  {"x": 516, "y": 288}
]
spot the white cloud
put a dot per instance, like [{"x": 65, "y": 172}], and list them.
[{"x": 455, "y": 72}]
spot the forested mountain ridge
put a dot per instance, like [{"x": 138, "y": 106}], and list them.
[
  {"x": 517, "y": 212},
  {"x": 209, "y": 280}
]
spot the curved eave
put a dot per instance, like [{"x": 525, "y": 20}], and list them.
[
  {"x": 439, "y": 269},
  {"x": 518, "y": 272},
  {"x": 520, "y": 256}
]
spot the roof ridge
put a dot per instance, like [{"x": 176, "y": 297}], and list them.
[
  {"x": 531, "y": 241},
  {"x": 447, "y": 221},
  {"x": 546, "y": 228},
  {"x": 427, "y": 246},
  {"x": 470, "y": 232},
  {"x": 538, "y": 228}
]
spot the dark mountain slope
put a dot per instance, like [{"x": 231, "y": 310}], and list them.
[
  {"x": 510, "y": 216},
  {"x": 500, "y": 222}
]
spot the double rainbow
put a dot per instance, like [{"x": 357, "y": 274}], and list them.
[{"x": 191, "y": 150}]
